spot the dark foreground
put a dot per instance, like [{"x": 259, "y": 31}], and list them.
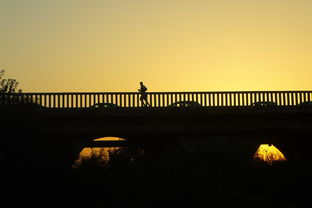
[{"x": 153, "y": 177}]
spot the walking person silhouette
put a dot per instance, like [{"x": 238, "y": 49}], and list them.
[{"x": 143, "y": 97}]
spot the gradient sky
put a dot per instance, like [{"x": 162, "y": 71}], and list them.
[{"x": 171, "y": 45}]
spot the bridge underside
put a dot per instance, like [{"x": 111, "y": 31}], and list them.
[{"x": 202, "y": 132}]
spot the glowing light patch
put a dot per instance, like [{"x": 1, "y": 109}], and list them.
[
  {"x": 269, "y": 154},
  {"x": 109, "y": 139},
  {"x": 102, "y": 153}
]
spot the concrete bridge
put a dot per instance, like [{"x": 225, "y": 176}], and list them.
[{"x": 230, "y": 126}]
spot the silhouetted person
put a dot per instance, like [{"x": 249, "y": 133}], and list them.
[{"x": 143, "y": 97}]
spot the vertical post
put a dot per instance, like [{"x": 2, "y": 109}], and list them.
[
  {"x": 248, "y": 97},
  {"x": 227, "y": 99},
  {"x": 291, "y": 94},
  {"x": 119, "y": 99},
  {"x": 243, "y": 98},
  {"x": 158, "y": 100},
  {"x": 70, "y": 101},
  {"x": 63, "y": 101},
  {"x": 54, "y": 100},
  {"x": 50, "y": 100},
  {"x": 101, "y": 98},
  {"x": 234, "y": 99},
  {"x": 58, "y": 101},
  {"x": 270, "y": 97},
  {"x": 301, "y": 97},
  {"x": 254, "y": 98},
  {"x": 296, "y": 98},
  {"x": 153, "y": 102},
  {"x": 90, "y": 99},
  {"x": 282, "y": 101},
  {"x": 106, "y": 98},
  {"x": 275, "y": 97},
  {"x": 97, "y": 98},
  {"x": 208, "y": 102},
  {"x": 45, "y": 100},
  {"x": 305, "y": 96},
  {"x": 84, "y": 100},
  {"x": 204, "y": 99},
  {"x": 261, "y": 95},
  {"x": 67, "y": 99},
  {"x": 129, "y": 99},
  {"x": 137, "y": 99},
  {"x": 267, "y": 94},
  {"x": 76, "y": 100}
]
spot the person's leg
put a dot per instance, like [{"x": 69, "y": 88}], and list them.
[
  {"x": 147, "y": 103},
  {"x": 144, "y": 96},
  {"x": 142, "y": 100}
]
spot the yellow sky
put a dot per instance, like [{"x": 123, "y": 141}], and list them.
[{"x": 171, "y": 45}]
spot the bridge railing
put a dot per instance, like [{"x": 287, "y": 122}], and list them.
[{"x": 157, "y": 99}]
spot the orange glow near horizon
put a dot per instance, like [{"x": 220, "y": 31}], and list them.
[
  {"x": 108, "y": 46},
  {"x": 101, "y": 153},
  {"x": 269, "y": 154}
]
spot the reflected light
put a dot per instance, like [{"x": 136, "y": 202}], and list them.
[
  {"x": 269, "y": 154},
  {"x": 101, "y": 153},
  {"x": 109, "y": 139}
]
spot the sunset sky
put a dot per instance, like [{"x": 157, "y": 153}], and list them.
[{"x": 170, "y": 45}]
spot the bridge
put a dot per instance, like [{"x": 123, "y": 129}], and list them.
[
  {"x": 157, "y": 99},
  {"x": 225, "y": 123}
]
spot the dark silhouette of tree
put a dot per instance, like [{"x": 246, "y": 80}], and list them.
[
  {"x": 8, "y": 85},
  {"x": 9, "y": 92}
]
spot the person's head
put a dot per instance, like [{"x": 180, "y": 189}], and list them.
[{"x": 141, "y": 83}]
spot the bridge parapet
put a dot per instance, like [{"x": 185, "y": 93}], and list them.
[{"x": 159, "y": 99}]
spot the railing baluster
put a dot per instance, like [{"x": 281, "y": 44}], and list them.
[
  {"x": 208, "y": 96},
  {"x": 49, "y": 100},
  {"x": 45, "y": 100},
  {"x": 54, "y": 101},
  {"x": 305, "y": 97},
  {"x": 234, "y": 99},
  {"x": 291, "y": 98},
  {"x": 275, "y": 97}
]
